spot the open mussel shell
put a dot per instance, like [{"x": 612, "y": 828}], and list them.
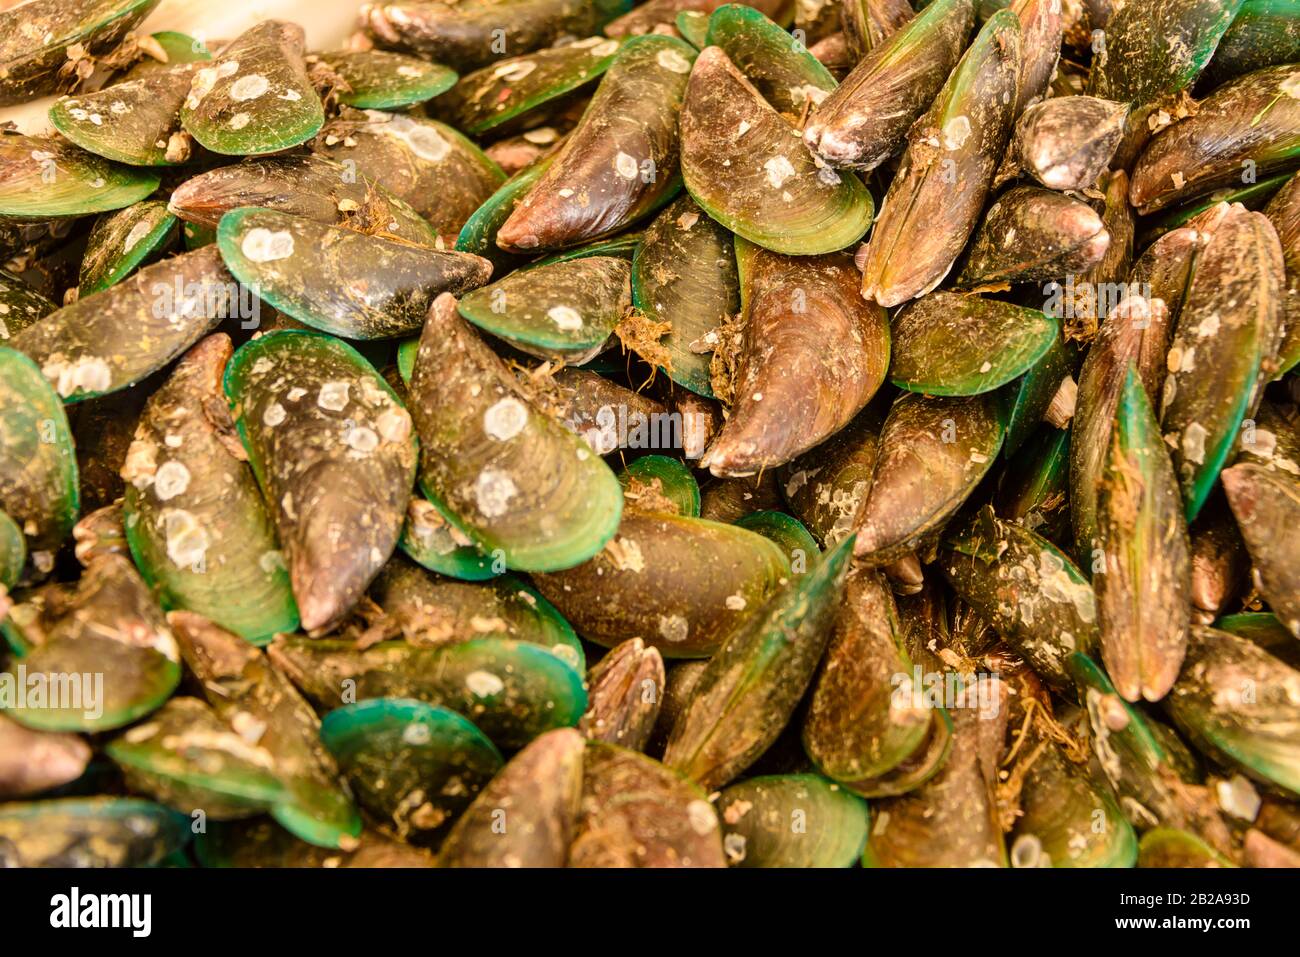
[
  {"x": 859, "y": 727},
  {"x": 1027, "y": 589},
  {"x": 414, "y": 765},
  {"x": 89, "y": 832},
  {"x": 813, "y": 352},
  {"x": 35, "y": 761},
  {"x": 495, "y": 95},
  {"x": 949, "y": 344},
  {"x": 379, "y": 80},
  {"x": 109, "y": 635},
  {"x": 525, "y": 815},
  {"x": 256, "y": 96},
  {"x": 751, "y": 686},
  {"x": 307, "y": 185},
  {"x": 951, "y": 820},
  {"x": 783, "y": 72},
  {"x": 121, "y": 241},
  {"x": 339, "y": 280},
  {"x": 619, "y": 163},
  {"x": 468, "y": 34},
  {"x": 435, "y": 610},
  {"x": 563, "y": 310},
  {"x": 1238, "y": 703},
  {"x": 258, "y": 702},
  {"x": 944, "y": 177},
  {"x": 684, "y": 273},
  {"x": 1250, "y": 120},
  {"x": 512, "y": 690},
  {"x": 1227, "y": 330},
  {"x": 193, "y": 514},
  {"x": 1145, "y": 550},
  {"x": 512, "y": 478},
  {"x": 1068, "y": 819},
  {"x": 335, "y": 456},
  {"x": 1031, "y": 234},
  {"x": 39, "y": 488},
  {"x": 47, "y": 178},
  {"x": 865, "y": 120},
  {"x": 933, "y": 453},
  {"x": 113, "y": 339},
  {"x": 186, "y": 757},
  {"x": 792, "y": 820},
  {"x": 136, "y": 121},
  {"x": 1066, "y": 142},
  {"x": 744, "y": 165},
  {"x": 657, "y": 483},
  {"x": 1267, "y": 507},
  {"x": 36, "y": 41},
  {"x": 429, "y": 165},
  {"x": 682, "y": 585},
  {"x": 624, "y": 693},
  {"x": 635, "y": 812}
]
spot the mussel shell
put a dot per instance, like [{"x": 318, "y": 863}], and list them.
[
  {"x": 1238, "y": 703},
  {"x": 193, "y": 515},
  {"x": 429, "y": 165},
  {"x": 109, "y": 636},
  {"x": 187, "y": 758},
  {"x": 743, "y": 164},
  {"x": 47, "y": 178},
  {"x": 684, "y": 273},
  {"x": 495, "y": 95},
  {"x": 121, "y": 241},
  {"x": 949, "y": 344},
  {"x": 935, "y": 199},
  {"x": 866, "y": 119},
  {"x": 637, "y": 813},
  {"x": 85, "y": 349},
  {"x": 619, "y": 163},
  {"x": 414, "y": 765},
  {"x": 785, "y": 73},
  {"x": 812, "y": 354},
  {"x": 1027, "y": 589},
  {"x": 682, "y": 585},
  {"x": 1066, "y": 142},
  {"x": 256, "y": 96},
  {"x": 535, "y": 797},
  {"x": 36, "y": 761},
  {"x": 563, "y": 310},
  {"x": 338, "y": 280},
  {"x": 1267, "y": 506},
  {"x": 1034, "y": 234},
  {"x": 335, "y": 455},
  {"x": 306, "y": 185},
  {"x": 39, "y": 486},
  {"x": 379, "y": 80},
  {"x": 511, "y": 478},
  {"x": 933, "y": 452},
  {"x": 751, "y": 686},
  {"x": 794, "y": 820},
  {"x": 249, "y": 694},
  {"x": 665, "y": 482},
  {"x": 624, "y": 692},
  {"x": 512, "y": 690},
  {"x": 89, "y": 832},
  {"x": 35, "y": 40}
]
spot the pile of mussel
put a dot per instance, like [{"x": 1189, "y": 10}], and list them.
[{"x": 553, "y": 433}]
